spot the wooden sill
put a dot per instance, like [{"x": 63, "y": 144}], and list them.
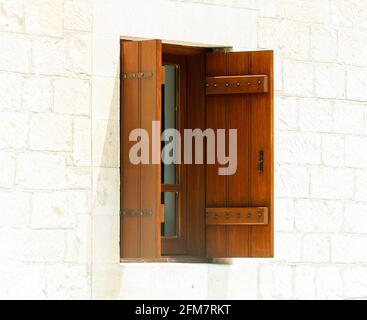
[{"x": 178, "y": 259}]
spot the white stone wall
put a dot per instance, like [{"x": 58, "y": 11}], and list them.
[
  {"x": 59, "y": 145},
  {"x": 45, "y": 153}
]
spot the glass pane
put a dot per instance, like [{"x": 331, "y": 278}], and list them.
[
  {"x": 169, "y": 205},
  {"x": 169, "y": 118}
]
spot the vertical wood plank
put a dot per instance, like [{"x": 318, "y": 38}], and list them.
[
  {"x": 130, "y": 174},
  {"x": 140, "y": 186},
  {"x": 150, "y": 188},
  {"x": 216, "y": 185},
  {"x": 238, "y": 106},
  {"x": 195, "y": 172},
  {"x": 262, "y": 139}
]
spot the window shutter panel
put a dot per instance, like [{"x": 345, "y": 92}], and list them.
[
  {"x": 141, "y": 79},
  {"x": 239, "y": 208}
]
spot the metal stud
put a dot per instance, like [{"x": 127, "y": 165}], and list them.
[
  {"x": 207, "y": 85},
  {"x": 227, "y": 85},
  {"x": 249, "y": 215},
  {"x": 259, "y": 82},
  {"x": 215, "y": 85},
  {"x": 249, "y": 83},
  {"x": 238, "y": 84}
]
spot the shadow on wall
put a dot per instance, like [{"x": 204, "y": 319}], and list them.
[{"x": 106, "y": 188}]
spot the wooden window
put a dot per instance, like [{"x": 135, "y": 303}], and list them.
[
  {"x": 189, "y": 209},
  {"x": 173, "y": 176}
]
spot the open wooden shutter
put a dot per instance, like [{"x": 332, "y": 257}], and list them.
[
  {"x": 141, "y": 79},
  {"x": 239, "y": 208}
]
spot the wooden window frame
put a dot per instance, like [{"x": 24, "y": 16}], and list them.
[
  {"x": 176, "y": 245},
  {"x": 194, "y": 231}
]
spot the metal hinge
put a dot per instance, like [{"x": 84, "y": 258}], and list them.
[{"x": 137, "y": 75}]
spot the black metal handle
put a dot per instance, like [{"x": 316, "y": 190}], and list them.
[{"x": 260, "y": 165}]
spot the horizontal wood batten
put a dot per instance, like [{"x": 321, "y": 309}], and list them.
[
  {"x": 237, "y": 216},
  {"x": 237, "y": 84}
]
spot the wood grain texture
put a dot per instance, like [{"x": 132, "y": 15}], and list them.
[
  {"x": 177, "y": 245},
  {"x": 262, "y": 237},
  {"x": 236, "y": 84},
  {"x": 216, "y": 185},
  {"x": 237, "y": 216},
  {"x": 238, "y": 63},
  {"x": 150, "y": 105},
  {"x": 195, "y": 172},
  {"x": 176, "y": 49},
  {"x": 140, "y": 105},
  {"x": 252, "y": 116},
  {"x": 130, "y": 174}
]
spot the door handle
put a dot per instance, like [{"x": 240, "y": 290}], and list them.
[{"x": 260, "y": 165}]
